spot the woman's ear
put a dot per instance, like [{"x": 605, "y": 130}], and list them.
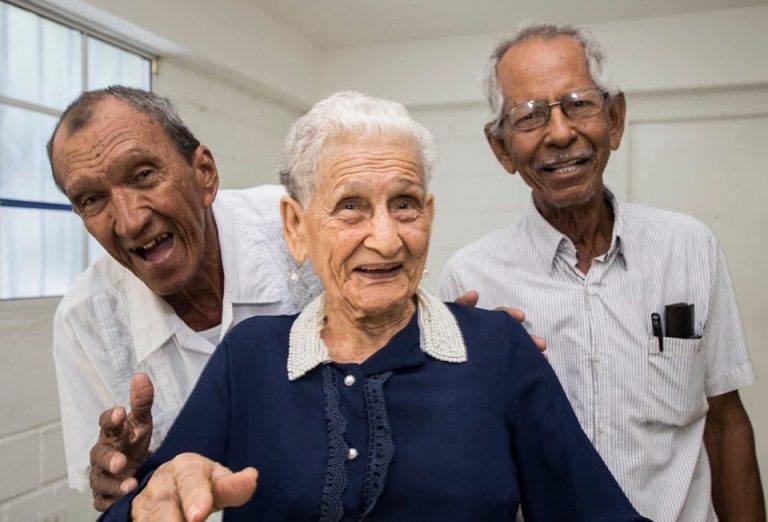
[{"x": 292, "y": 214}]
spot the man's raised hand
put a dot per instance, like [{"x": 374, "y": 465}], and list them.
[{"x": 123, "y": 445}]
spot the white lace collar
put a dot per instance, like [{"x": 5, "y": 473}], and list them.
[{"x": 440, "y": 335}]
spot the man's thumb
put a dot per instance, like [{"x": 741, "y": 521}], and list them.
[{"x": 142, "y": 396}]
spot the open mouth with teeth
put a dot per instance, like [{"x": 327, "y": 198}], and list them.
[
  {"x": 155, "y": 249},
  {"x": 381, "y": 271},
  {"x": 565, "y": 167}
]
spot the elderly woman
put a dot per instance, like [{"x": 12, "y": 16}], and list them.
[{"x": 377, "y": 402}]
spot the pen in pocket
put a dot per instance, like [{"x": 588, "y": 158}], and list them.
[{"x": 658, "y": 332}]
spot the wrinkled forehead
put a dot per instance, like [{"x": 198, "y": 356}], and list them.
[
  {"x": 399, "y": 146},
  {"x": 100, "y": 120},
  {"x": 378, "y": 152},
  {"x": 113, "y": 135},
  {"x": 110, "y": 124},
  {"x": 371, "y": 162}
]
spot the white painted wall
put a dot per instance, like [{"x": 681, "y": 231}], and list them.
[
  {"x": 32, "y": 484},
  {"x": 244, "y": 133},
  {"x": 721, "y": 48},
  {"x": 240, "y": 78}
]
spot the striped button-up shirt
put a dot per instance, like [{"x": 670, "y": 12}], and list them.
[{"x": 643, "y": 408}]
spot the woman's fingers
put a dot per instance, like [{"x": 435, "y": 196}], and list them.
[
  {"x": 233, "y": 489},
  {"x": 191, "y": 487}
]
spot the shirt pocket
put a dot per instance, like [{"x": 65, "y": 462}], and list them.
[{"x": 675, "y": 383}]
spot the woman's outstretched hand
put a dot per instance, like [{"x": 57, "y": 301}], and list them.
[{"x": 190, "y": 487}]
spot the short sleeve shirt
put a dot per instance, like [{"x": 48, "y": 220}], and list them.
[{"x": 643, "y": 409}]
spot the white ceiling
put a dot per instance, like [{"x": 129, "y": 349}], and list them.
[{"x": 335, "y": 23}]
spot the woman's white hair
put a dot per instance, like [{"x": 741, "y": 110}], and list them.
[
  {"x": 346, "y": 116},
  {"x": 592, "y": 51}
]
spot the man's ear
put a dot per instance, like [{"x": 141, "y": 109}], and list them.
[
  {"x": 205, "y": 168},
  {"x": 616, "y": 114},
  {"x": 499, "y": 148},
  {"x": 292, "y": 214}
]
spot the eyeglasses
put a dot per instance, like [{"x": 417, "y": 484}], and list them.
[{"x": 577, "y": 105}]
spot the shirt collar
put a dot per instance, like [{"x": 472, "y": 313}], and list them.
[
  {"x": 440, "y": 335},
  {"x": 249, "y": 243},
  {"x": 154, "y": 322},
  {"x": 151, "y": 317},
  {"x": 618, "y": 237},
  {"x": 547, "y": 240}
]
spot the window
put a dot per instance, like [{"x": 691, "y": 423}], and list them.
[{"x": 44, "y": 65}]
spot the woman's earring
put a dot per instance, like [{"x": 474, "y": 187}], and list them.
[
  {"x": 425, "y": 273},
  {"x": 296, "y": 270}
]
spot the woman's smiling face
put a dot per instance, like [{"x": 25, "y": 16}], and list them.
[{"x": 366, "y": 228}]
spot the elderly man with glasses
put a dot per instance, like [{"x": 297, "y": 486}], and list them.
[{"x": 636, "y": 303}]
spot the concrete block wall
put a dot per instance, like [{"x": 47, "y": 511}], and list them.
[
  {"x": 245, "y": 133},
  {"x": 32, "y": 470}
]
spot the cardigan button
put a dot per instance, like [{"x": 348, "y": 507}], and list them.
[
  {"x": 349, "y": 380},
  {"x": 352, "y": 454}
]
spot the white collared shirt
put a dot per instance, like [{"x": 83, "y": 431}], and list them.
[
  {"x": 110, "y": 325},
  {"x": 644, "y": 410}
]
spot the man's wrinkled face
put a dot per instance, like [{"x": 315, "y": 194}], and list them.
[
  {"x": 143, "y": 202},
  {"x": 563, "y": 161}
]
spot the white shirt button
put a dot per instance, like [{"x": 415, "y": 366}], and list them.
[
  {"x": 352, "y": 454},
  {"x": 349, "y": 380}
]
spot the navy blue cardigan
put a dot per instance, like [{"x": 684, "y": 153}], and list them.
[{"x": 435, "y": 441}]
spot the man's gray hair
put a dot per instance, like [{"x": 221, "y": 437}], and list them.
[
  {"x": 159, "y": 109},
  {"x": 592, "y": 51},
  {"x": 346, "y": 116}
]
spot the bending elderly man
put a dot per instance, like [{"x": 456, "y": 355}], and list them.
[
  {"x": 378, "y": 399},
  {"x": 185, "y": 262}
]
